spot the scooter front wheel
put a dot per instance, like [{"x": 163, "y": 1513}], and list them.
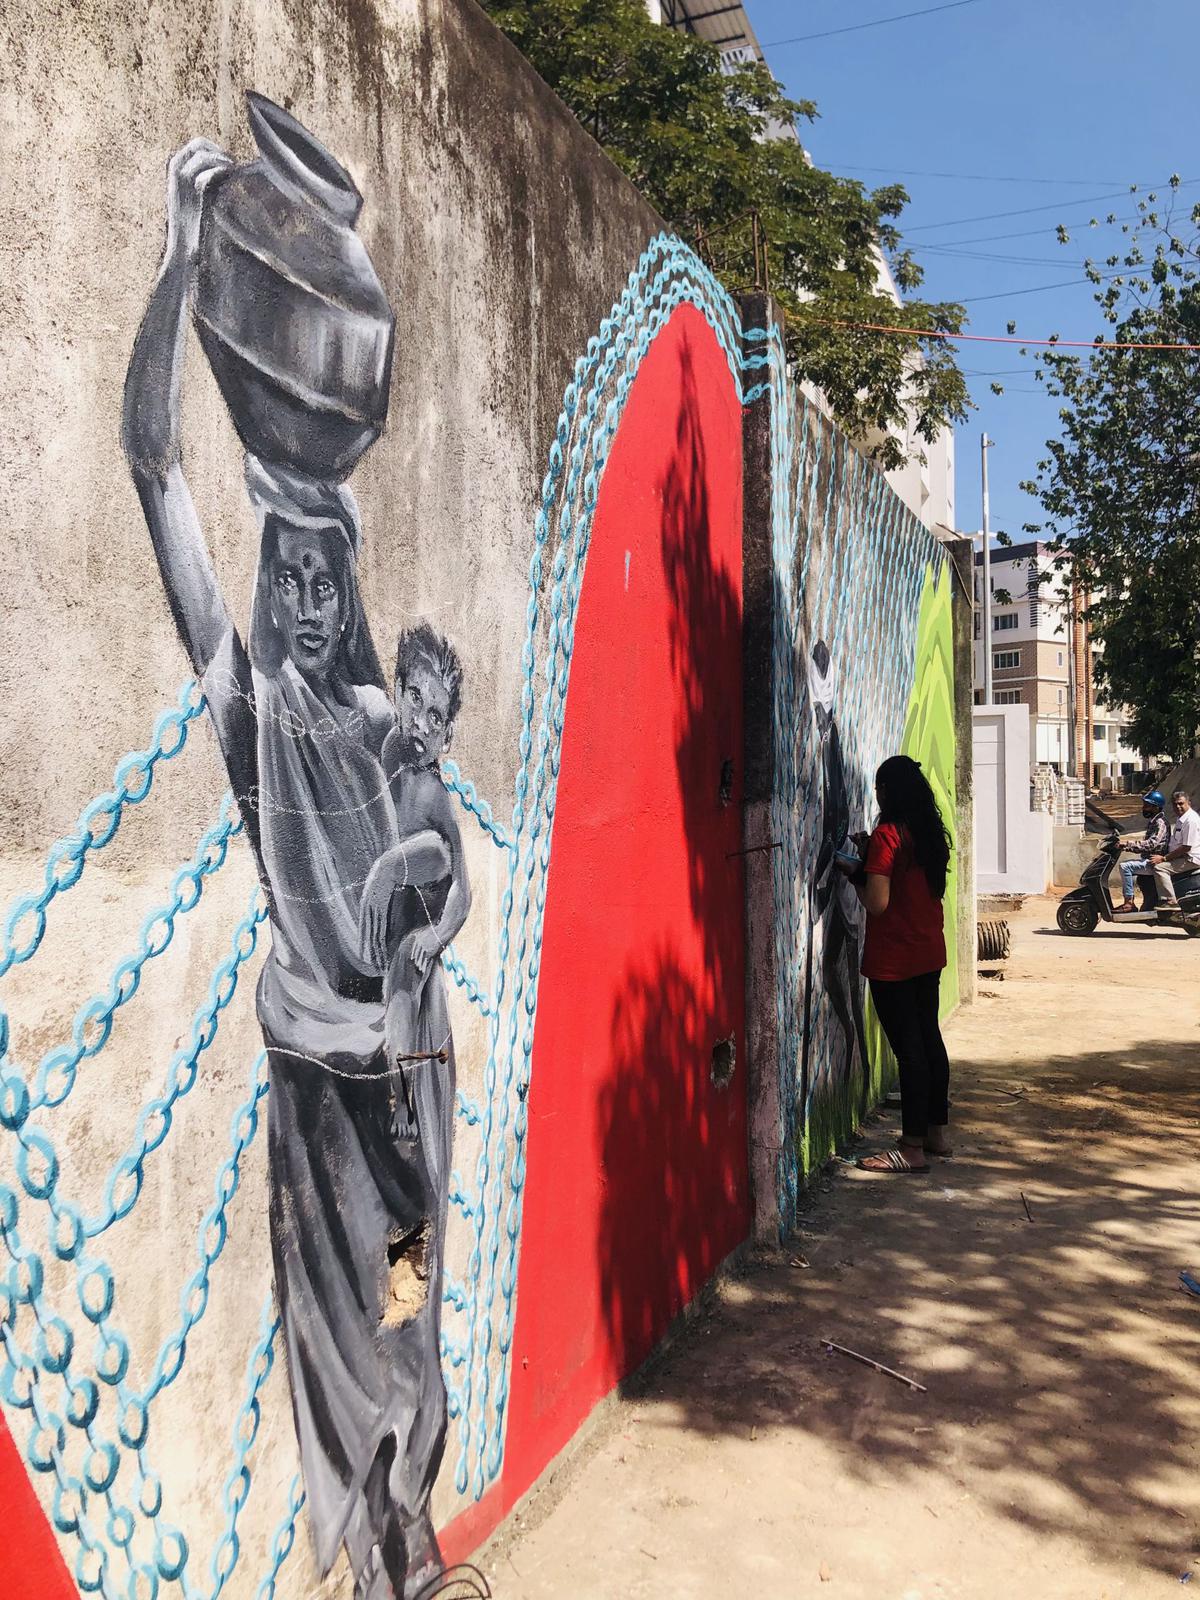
[{"x": 1078, "y": 916}]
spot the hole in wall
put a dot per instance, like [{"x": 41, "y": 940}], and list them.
[
  {"x": 724, "y": 1059},
  {"x": 725, "y": 788},
  {"x": 408, "y": 1276}
]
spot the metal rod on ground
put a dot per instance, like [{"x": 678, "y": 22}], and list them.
[{"x": 888, "y": 1372}]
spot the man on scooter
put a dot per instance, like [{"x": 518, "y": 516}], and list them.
[
  {"x": 1182, "y": 853},
  {"x": 1151, "y": 843}
]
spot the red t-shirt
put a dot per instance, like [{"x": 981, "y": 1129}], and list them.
[{"x": 908, "y": 939}]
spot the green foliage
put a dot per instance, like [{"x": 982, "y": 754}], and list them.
[
  {"x": 1150, "y": 661},
  {"x": 1120, "y": 487},
  {"x": 696, "y": 141}
]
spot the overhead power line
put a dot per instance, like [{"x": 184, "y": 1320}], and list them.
[
  {"x": 973, "y": 177},
  {"x": 999, "y": 338},
  {"x": 1030, "y": 233},
  {"x": 878, "y": 22},
  {"x": 1042, "y": 288},
  {"x": 1025, "y": 211}
]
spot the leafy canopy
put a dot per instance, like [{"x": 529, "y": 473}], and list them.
[
  {"x": 1121, "y": 486},
  {"x": 696, "y": 139}
]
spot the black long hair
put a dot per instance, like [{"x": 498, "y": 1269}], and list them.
[{"x": 907, "y": 801}]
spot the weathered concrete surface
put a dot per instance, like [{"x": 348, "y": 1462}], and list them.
[
  {"x": 503, "y": 236},
  {"x": 1056, "y": 1451}
]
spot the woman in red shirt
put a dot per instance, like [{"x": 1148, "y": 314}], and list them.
[{"x": 901, "y": 885}]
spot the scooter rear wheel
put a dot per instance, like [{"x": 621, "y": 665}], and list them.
[{"x": 1077, "y": 916}]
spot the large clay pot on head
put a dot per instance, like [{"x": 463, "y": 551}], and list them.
[{"x": 289, "y": 309}]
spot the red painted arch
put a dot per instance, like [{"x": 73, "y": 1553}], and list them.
[
  {"x": 31, "y": 1564},
  {"x": 637, "y": 1183}
]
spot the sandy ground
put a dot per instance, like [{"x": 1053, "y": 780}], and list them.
[{"x": 1055, "y": 1454}]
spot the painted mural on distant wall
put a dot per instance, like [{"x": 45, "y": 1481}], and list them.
[
  {"x": 834, "y": 907},
  {"x": 871, "y": 622},
  {"x": 340, "y": 789}
]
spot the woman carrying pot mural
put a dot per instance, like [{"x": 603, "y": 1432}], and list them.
[{"x": 357, "y": 1194}]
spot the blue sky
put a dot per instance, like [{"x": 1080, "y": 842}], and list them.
[{"x": 1100, "y": 92}]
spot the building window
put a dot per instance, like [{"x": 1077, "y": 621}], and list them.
[
  {"x": 1008, "y": 697},
  {"x": 1060, "y": 697},
  {"x": 1004, "y": 623},
  {"x": 978, "y": 621},
  {"x": 979, "y": 697},
  {"x": 1005, "y": 658},
  {"x": 1100, "y": 731},
  {"x": 1060, "y": 662}
]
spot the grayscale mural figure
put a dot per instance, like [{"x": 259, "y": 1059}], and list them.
[
  {"x": 357, "y": 849},
  {"x": 832, "y": 901}
]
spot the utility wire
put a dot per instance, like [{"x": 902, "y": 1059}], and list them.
[
  {"x": 878, "y": 22},
  {"x": 973, "y": 177},
  {"x": 1053, "y": 205},
  {"x": 1041, "y": 288},
  {"x": 1030, "y": 233},
  {"x": 948, "y": 254},
  {"x": 999, "y": 338}
]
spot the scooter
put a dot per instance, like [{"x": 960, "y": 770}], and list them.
[{"x": 1084, "y": 908}]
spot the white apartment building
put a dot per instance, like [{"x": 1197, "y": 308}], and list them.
[
  {"x": 925, "y": 482},
  {"x": 1042, "y": 660}
]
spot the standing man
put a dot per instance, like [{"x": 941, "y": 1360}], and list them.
[{"x": 1182, "y": 853}]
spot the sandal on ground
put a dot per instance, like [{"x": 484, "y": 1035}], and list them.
[{"x": 891, "y": 1161}]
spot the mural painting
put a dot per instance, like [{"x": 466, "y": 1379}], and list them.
[
  {"x": 861, "y": 577},
  {"x": 595, "y": 1100},
  {"x": 341, "y": 794},
  {"x": 833, "y": 905}
]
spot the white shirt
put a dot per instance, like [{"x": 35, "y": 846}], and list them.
[{"x": 1187, "y": 832}]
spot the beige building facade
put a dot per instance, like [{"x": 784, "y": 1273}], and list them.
[{"x": 1046, "y": 661}]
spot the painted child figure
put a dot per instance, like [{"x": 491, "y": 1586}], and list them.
[{"x": 406, "y": 927}]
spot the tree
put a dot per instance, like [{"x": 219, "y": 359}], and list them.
[
  {"x": 696, "y": 140},
  {"x": 1121, "y": 486},
  {"x": 1150, "y": 665}
]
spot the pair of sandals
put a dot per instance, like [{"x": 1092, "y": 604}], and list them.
[{"x": 895, "y": 1161}]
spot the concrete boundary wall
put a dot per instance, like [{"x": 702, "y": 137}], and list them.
[{"x": 594, "y": 483}]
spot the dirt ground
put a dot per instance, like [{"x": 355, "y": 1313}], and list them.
[{"x": 1056, "y": 1452}]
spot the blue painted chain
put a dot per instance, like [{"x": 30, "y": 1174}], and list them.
[
  {"x": 478, "y": 808},
  {"x": 285, "y": 1538},
  {"x": 25, "y": 923},
  {"x": 124, "y": 1183},
  {"x": 58, "y": 1069},
  {"x": 466, "y": 982},
  {"x": 210, "y": 1240},
  {"x": 245, "y": 1431}
]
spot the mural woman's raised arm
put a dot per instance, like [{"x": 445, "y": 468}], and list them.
[{"x": 150, "y": 424}]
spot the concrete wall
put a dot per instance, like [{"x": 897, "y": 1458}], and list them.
[
  {"x": 1012, "y": 841},
  {"x": 559, "y": 490},
  {"x": 502, "y": 238},
  {"x": 853, "y": 603}
]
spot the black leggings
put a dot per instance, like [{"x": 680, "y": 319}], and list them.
[{"x": 908, "y": 1014}]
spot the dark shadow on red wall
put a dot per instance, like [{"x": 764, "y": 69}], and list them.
[
  {"x": 637, "y": 1182},
  {"x": 673, "y": 1111}
]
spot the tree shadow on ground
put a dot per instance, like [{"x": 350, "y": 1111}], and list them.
[{"x": 1060, "y": 1357}]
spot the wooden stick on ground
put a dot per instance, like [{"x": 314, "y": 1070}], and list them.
[
  {"x": 1025, "y": 1203},
  {"x": 878, "y": 1365}
]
